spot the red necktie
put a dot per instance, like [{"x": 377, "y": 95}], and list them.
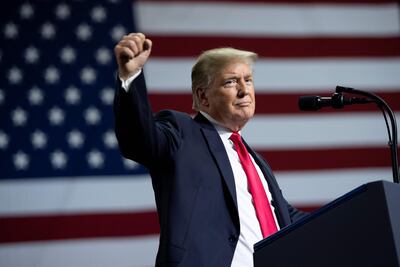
[{"x": 260, "y": 199}]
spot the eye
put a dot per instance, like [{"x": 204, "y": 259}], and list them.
[
  {"x": 249, "y": 81},
  {"x": 230, "y": 83}
]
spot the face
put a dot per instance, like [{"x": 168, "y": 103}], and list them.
[{"x": 231, "y": 100}]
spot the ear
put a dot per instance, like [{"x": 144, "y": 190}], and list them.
[{"x": 202, "y": 96}]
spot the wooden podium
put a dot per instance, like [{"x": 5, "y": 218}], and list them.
[{"x": 361, "y": 228}]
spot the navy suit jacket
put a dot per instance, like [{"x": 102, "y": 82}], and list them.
[{"x": 192, "y": 179}]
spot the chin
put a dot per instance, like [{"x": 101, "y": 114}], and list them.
[
  {"x": 243, "y": 118},
  {"x": 248, "y": 114}
]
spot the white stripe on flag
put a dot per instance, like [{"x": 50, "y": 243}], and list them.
[
  {"x": 77, "y": 194},
  {"x": 121, "y": 194},
  {"x": 173, "y": 75},
  {"x": 317, "y": 131},
  {"x": 116, "y": 252},
  {"x": 314, "y": 188},
  {"x": 198, "y": 18}
]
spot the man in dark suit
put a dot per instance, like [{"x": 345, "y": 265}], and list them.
[{"x": 215, "y": 196}]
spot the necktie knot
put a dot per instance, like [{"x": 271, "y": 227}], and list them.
[{"x": 235, "y": 138}]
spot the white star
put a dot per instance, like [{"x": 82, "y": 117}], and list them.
[
  {"x": 88, "y": 75},
  {"x": 51, "y": 75},
  {"x": 48, "y": 31},
  {"x": 103, "y": 56},
  {"x": 3, "y": 140},
  {"x": 75, "y": 139},
  {"x": 58, "y": 159},
  {"x": 72, "y": 95},
  {"x": 117, "y": 32},
  {"x": 31, "y": 55},
  {"x": 56, "y": 116},
  {"x": 26, "y": 11},
  {"x": 107, "y": 96},
  {"x": 109, "y": 139},
  {"x": 15, "y": 75},
  {"x": 68, "y": 55},
  {"x": 95, "y": 159},
  {"x": 21, "y": 160},
  {"x": 19, "y": 116},
  {"x": 98, "y": 14},
  {"x": 35, "y": 96},
  {"x": 63, "y": 11},
  {"x": 84, "y": 32},
  {"x": 92, "y": 116},
  {"x": 130, "y": 164},
  {"x": 38, "y": 139},
  {"x": 2, "y": 96},
  {"x": 10, "y": 30}
]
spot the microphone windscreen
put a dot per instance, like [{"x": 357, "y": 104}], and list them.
[{"x": 309, "y": 103}]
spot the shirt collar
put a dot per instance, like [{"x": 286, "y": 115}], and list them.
[{"x": 224, "y": 132}]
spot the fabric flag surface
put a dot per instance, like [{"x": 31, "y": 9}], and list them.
[{"x": 68, "y": 198}]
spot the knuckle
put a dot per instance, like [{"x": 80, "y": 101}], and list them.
[
  {"x": 118, "y": 48},
  {"x": 136, "y": 38},
  {"x": 132, "y": 45}
]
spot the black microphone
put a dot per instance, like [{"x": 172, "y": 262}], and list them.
[{"x": 337, "y": 100}]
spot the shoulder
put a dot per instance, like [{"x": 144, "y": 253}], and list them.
[
  {"x": 173, "y": 115},
  {"x": 176, "y": 119}
]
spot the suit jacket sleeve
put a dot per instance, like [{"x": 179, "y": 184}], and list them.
[{"x": 143, "y": 137}]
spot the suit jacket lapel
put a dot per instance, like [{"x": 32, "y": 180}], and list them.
[{"x": 218, "y": 151}]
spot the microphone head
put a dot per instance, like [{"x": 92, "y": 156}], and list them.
[{"x": 309, "y": 103}]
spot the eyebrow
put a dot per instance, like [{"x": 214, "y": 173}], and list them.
[{"x": 235, "y": 76}]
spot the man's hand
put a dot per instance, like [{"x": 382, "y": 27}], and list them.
[{"x": 132, "y": 53}]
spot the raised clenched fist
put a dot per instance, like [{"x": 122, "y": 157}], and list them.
[{"x": 132, "y": 53}]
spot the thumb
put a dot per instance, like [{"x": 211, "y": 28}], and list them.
[
  {"x": 148, "y": 44},
  {"x": 145, "y": 54}
]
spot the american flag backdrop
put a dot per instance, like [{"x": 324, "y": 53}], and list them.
[{"x": 68, "y": 198}]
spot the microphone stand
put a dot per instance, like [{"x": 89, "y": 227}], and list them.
[{"x": 385, "y": 108}]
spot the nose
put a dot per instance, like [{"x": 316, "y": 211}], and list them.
[{"x": 242, "y": 88}]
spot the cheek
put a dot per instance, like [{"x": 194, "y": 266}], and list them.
[
  {"x": 252, "y": 93},
  {"x": 224, "y": 100}
]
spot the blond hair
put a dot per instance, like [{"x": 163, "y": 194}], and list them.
[{"x": 211, "y": 62}]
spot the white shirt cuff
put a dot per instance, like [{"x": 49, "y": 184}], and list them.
[{"x": 126, "y": 83}]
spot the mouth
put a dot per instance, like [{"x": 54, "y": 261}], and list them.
[{"x": 243, "y": 103}]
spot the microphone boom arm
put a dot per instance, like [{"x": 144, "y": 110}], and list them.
[{"x": 385, "y": 107}]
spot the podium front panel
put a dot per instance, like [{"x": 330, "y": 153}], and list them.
[{"x": 362, "y": 228}]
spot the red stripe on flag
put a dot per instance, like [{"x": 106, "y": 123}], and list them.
[
  {"x": 269, "y": 103},
  {"x": 58, "y": 227},
  {"x": 312, "y": 47},
  {"x": 332, "y": 158},
  {"x": 66, "y": 227}
]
